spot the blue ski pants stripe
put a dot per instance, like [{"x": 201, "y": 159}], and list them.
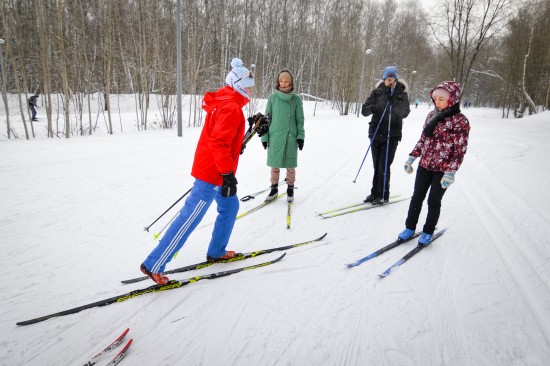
[{"x": 196, "y": 205}]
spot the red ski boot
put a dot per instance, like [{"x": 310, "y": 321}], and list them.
[{"x": 159, "y": 278}]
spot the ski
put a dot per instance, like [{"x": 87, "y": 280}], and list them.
[
  {"x": 364, "y": 206},
  {"x": 239, "y": 257},
  {"x": 107, "y": 349},
  {"x": 382, "y": 250},
  {"x": 173, "y": 284},
  {"x": 288, "y": 212},
  {"x": 410, "y": 254},
  {"x": 261, "y": 205},
  {"x": 353, "y": 205},
  {"x": 121, "y": 354}
]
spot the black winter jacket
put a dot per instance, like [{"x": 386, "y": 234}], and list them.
[{"x": 375, "y": 105}]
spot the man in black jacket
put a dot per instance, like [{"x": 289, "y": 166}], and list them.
[
  {"x": 32, "y": 105},
  {"x": 389, "y": 104}
]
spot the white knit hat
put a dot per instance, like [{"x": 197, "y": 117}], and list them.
[{"x": 239, "y": 77}]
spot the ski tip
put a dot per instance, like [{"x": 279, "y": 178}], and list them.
[
  {"x": 322, "y": 236},
  {"x": 350, "y": 265}
]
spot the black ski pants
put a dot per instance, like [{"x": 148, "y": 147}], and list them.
[
  {"x": 426, "y": 180},
  {"x": 379, "y": 162}
]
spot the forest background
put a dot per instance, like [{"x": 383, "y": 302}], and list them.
[{"x": 79, "y": 52}]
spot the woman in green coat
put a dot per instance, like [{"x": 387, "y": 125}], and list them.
[{"x": 286, "y": 133}]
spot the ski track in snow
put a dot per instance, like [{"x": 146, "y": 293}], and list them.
[{"x": 72, "y": 228}]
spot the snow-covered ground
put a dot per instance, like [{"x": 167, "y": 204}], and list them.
[{"x": 72, "y": 219}]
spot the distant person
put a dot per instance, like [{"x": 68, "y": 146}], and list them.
[
  {"x": 286, "y": 133},
  {"x": 442, "y": 147},
  {"x": 416, "y": 103},
  {"x": 32, "y": 105},
  {"x": 389, "y": 104},
  {"x": 214, "y": 168}
]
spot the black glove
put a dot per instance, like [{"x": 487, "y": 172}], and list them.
[
  {"x": 265, "y": 121},
  {"x": 265, "y": 144},
  {"x": 366, "y": 110},
  {"x": 300, "y": 144},
  {"x": 229, "y": 186},
  {"x": 250, "y": 122}
]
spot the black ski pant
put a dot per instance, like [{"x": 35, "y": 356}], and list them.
[
  {"x": 426, "y": 180},
  {"x": 379, "y": 162}
]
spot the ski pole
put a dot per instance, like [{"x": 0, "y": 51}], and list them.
[
  {"x": 169, "y": 208},
  {"x": 387, "y": 149},
  {"x": 373, "y": 136},
  {"x": 253, "y": 195},
  {"x": 165, "y": 226},
  {"x": 386, "y": 161}
]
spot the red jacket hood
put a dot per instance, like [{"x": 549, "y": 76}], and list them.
[
  {"x": 225, "y": 94},
  {"x": 454, "y": 90}
]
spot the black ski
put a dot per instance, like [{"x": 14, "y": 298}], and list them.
[
  {"x": 410, "y": 254},
  {"x": 155, "y": 288},
  {"x": 239, "y": 257}
]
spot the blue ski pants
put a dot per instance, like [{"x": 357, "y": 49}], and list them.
[{"x": 201, "y": 196}]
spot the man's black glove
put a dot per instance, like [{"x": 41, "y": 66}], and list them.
[
  {"x": 250, "y": 122},
  {"x": 300, "y": 144},
  {"x": 229, "y": 186},
  {"x": 265, "y": 144},
  {"x": 265, "y": 121},
  {"x": 366, "y": 110}
]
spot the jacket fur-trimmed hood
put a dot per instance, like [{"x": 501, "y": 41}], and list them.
[{"x": 399, "y": 81}]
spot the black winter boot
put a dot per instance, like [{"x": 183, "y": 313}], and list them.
[
  {"x": 290, "y": 193},
  {"x": 379, "y": 201},
  {"x": 369, "y": 198},
  {"x": 273, "y": 194}
]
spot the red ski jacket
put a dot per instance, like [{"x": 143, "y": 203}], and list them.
[{"x": 221, "y": 140}]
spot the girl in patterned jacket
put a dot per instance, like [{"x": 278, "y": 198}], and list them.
[{"x": 442, "y": 147}]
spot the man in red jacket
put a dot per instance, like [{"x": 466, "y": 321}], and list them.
[{"x": 214, "y": 168}]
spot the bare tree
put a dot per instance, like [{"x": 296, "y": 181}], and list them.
[{"x": 467, "y": 26}]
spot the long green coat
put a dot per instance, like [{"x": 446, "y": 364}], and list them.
[{"x": 287, "y": 126}]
